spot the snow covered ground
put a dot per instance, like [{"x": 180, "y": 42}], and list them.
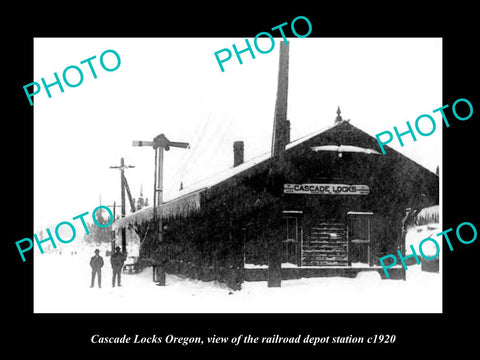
[
  {"x": 62, "y": 285},
  {"x": 416, "y": 234}
]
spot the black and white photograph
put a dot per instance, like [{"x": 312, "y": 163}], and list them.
[
  {"x": 229, "y": 187},
  {"x": 300, "y": 182}
]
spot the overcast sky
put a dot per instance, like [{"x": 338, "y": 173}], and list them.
[{"x": 174, "y": 86}]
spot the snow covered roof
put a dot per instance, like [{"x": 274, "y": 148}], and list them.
[
  {"x": 229, "y": 173},
  {"x": 188, "y": 199},
  {"x": 428, "y": 215},
  {"x": 182, "y": 205}
]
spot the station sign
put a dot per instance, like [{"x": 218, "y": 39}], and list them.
[{"x": 326, "y": 189}]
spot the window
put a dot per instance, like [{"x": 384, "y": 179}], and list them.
[
  {"x": 359, "y": 230},
  {"x": 291, "y": 236},
  {"x": 291, "y": 224}
]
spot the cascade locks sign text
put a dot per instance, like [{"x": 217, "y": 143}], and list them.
[{"x": 326, "y": 189}]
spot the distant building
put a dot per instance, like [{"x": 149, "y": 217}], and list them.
[{"x": 141, "y": 202}]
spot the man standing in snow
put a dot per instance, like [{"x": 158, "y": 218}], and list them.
[
  {"x": 96, "y": 263},
  {"x": 117, "y": 261}
]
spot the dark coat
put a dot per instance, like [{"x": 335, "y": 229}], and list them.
[
  {"x": 117, "y": 260},
  {"x": 96, "y": 262}
]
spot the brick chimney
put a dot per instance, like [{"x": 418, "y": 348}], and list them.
[{"x": 237, "y": 153}]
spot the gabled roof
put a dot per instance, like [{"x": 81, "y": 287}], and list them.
[
  {"x": 229, "y": 173},
  {"x": 191, "y": 195},
  {"x": 188, "y": 199}
]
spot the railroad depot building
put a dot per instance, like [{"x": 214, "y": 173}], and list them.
[{"x": 329, "y": 205}]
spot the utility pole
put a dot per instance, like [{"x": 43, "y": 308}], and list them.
[
  {"x": 114, "y": 206},
  {"x": 112, "y": 242},
  {"x": 159, "y": 144},
  {"x": 280, "y": 139},
  {"x": 122, "y": 168}
]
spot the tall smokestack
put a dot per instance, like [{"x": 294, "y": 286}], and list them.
[
  {"x": 281, "y": 128},
  {"x": 287, "y": 132},
  {"x": 237, "y": 153}
]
